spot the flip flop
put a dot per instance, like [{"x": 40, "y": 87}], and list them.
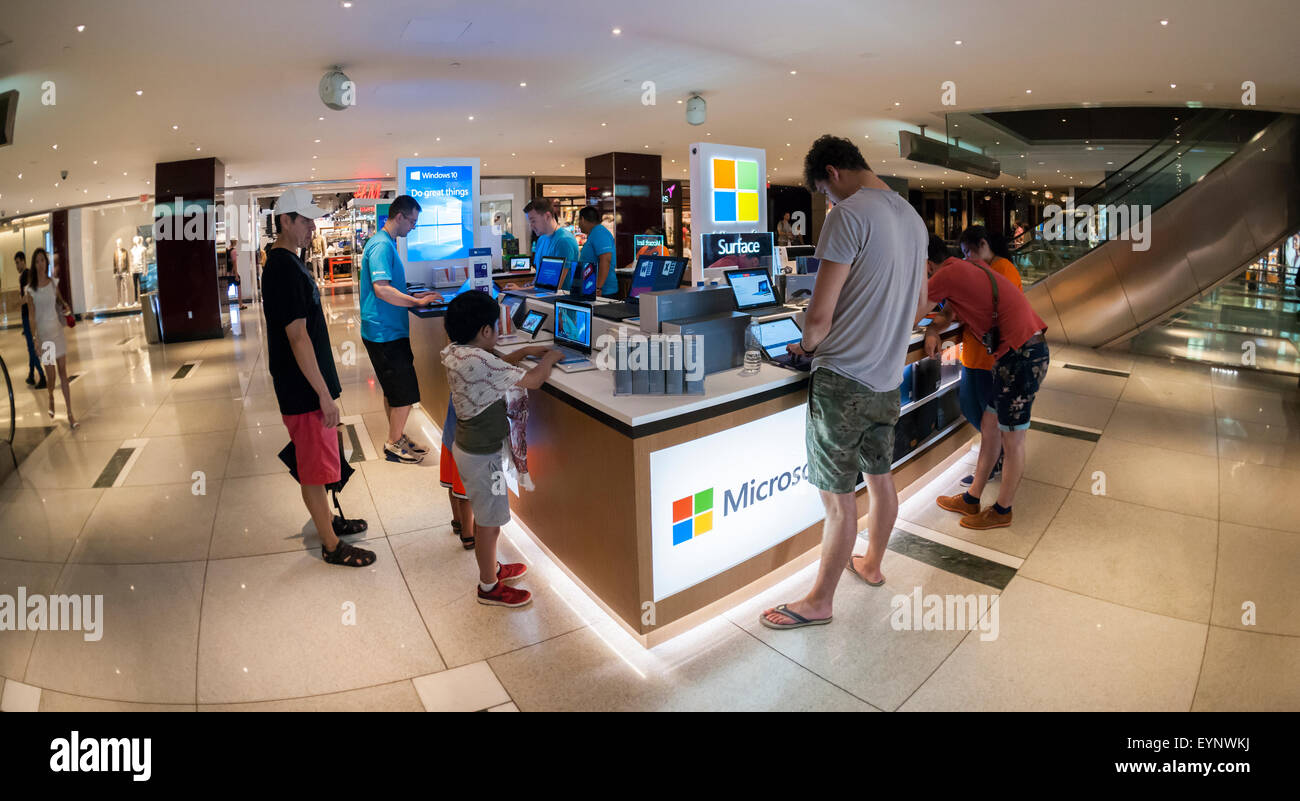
[
  {"x": 799, "y": 620},
  {"x": 849, "y": 567}
]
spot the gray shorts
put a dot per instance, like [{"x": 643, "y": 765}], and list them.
[{"x": 482, "y": 474}]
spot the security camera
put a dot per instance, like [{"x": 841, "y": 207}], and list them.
[
  {"x": 63, "y": 174},
  {"x": 337, "y": 90},
  {"x": 695, "y": 110}
]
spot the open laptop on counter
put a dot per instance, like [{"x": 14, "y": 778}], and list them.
[
  {"x": 551, "y": 272},
  {"x": 774, "y": 335},
  {"x": 573, "y": 325},
  {"x": 753, "y": 292},
  {"x": 652, "y": 274}
]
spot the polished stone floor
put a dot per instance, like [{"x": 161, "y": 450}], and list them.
[{"x": 216, "y": 597}]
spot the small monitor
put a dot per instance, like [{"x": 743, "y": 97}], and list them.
[
  {"x": 520, "y": 264},
  {"x": 532, "y": 322},
  {"x": 584, "y": 282},
  {"x": 550, "y": 273},
  {"x": 669, "y": 273},
  {"x": 774, "y": 335},
  {"x": 573, "y": 325},
  {"x": 643, "y": 276},
  {"x": 752, "y": 288}
]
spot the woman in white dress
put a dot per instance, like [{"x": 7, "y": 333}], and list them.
[{"x": 47, "y": 311}]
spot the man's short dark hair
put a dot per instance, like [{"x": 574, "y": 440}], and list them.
[
  {"x": 938, "y": 251},
  {"x": 404, "y": 205},
  {"x": 20, "y": 256},
  {"x": 830, "y": 151},
  {"x": 279, "y": 226},
  {"x": 541, "y": 205},
  {"x": 468, "y": 313},
  {"x": 590, "y": 213}
]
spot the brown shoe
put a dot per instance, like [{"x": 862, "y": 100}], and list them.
[
  {"x": 989, "y": 518},
  {"x": 956, "y": 503}
]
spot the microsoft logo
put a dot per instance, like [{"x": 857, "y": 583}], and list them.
[
  {"x": 735, "y": 190},
  {"x": 692, "y": 516}
]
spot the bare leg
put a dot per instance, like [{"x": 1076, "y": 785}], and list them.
[
  {"x": 1013, "y": 466},
  {"x": 839, "y": 531},
  {"x": 880, "y": 524},
  {"x": 485, "y": 551},
  {"x": 313, "y": 495},
  {"x": 62, "y": 363},
  {"x": 397, "y": 421},
  {"x": 991, "y": 444}
]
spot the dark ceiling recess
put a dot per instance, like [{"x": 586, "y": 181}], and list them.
[
  {"x": 1120, "y": 124},
  {"x": 8, "y": 107}
]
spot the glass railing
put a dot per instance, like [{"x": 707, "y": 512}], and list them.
[{"x": 1138, "y": 188}]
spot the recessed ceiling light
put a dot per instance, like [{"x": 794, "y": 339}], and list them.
[
  {"x": 471, "y": 116},
  {"x": 789, "y": 119},
  {"x": 415, "y": 154},
  {"x": 346, "y": 3},
  {"x": 1164, "y": 22},
  {"x": 679, "y": 102},
  {"x": 617, "y": 31},
  {"x": 603, "y": 124},
  {"x": 794, "y": 72},
  {"x": 316, "y": 157},
  {"x": 320, "y": 118},
  {"x": 523, "y": 83},
  {"x": 1173, "y": 86},
  {"x": 318, "y": 141},
  {"x": 437, "y": 138},
  {"x": 896, "y": 103},
  {"x": 647, "y": 147},
  {"x": 176, "y": 127},
  {"x": 512, "y": 154},
  {"x": 95, "y": 162},
  {"x": 198, "y": 148},
  {"x": 80, "y": 28},
  {"x": 124, "y": 172},
  {"x": 550, "y": 141},
  {"x": 139, "y": 92},
  {"x": 957, "y": 42}
]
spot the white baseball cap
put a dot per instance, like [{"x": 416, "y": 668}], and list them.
[{"x": 297, "y": 201}]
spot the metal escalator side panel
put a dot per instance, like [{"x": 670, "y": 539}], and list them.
[
  {"x": 1217, "y": 233},
  {"x": 1089, "y": 300},
  {"x": 1041, "y": 300},
  {"x": 1269, "y": 167}
]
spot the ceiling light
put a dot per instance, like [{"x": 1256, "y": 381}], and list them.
[
  {"x": 318, "y": 141},
  {"x": 96, "y": 163},
  {"x": 471, "y": 117},
  {"x": 198, "y": 148},
  {"x": 346, "y": 3},
  {"x": 794, "y": 72},
  {"x": 1164, "y": 22},
  {"x": 523, "y": 83},
  {"x": 617, "y": 31},
  {"x": 1173, "y": 86},
  {"x": 437, "y": 138},
  {"x": 176, "y": 127},
  {"x": 415, "y": 154},
  {"x": 550, "y": 141},
  {"x": 1029, "y": 91},
  {"x": 603, "y": 124},
  {"x": 139, "y": 92},
  {"x": 789, "y": 119},
  {"x": 896, "y": 103},
  {"x": 957, "y": 42},
  {"x": 80, "y": 28},
  {"x": 320, "y": 118},
  {"x": 512, "y": 154},
  {"x": 124, "y": 172}
]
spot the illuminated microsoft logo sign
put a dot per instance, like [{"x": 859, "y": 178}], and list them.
[
  {"x": 735, "y": 190},
  {"x": 692, "y": 516}
]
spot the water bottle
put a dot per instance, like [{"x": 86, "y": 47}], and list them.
[{"x": 753, "y": 358}]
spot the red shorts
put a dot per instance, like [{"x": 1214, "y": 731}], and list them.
[
  {"x": 449, "y": 475},
  {"x": 317, "y": 448}
]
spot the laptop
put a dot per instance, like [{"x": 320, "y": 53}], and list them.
[
  {"x": 652, "y": 274},
  {"x": 774, "y": 335},
  {"x": 573, "y": 335},
  {"x": 518, "y": 264},
  {"x": 753, "y": 292},
  {"x": 551, "y": 272}
]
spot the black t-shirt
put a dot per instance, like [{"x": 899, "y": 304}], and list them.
[
  {"x": 289, "y": 293},
  {"x": 23, "y": 278}
]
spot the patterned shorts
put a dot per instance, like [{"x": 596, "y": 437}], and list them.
[
  {"x": 850, "y": 430},
  {"x": 1018, "y": 375}
]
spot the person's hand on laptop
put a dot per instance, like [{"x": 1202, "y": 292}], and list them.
[{"x": 429, "y": 298}]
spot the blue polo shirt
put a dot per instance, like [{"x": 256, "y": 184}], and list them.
[
  {"x": 560, "y": 244},
  {"x": 599, "y": 242},
  {"x": 381, "y": 321}
]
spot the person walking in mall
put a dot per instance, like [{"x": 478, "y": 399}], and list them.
[
  {"x": 303, "y": 375},
  {"x": 598, "y": 250},
  {"x": 976, "y": 390},
  {"x": 232, "y": 265},
  {"x": 998, "y": 314},
  {"x": 48, "y": 312},
  {"x": 33, "y": 361},
  {"x": 386, "y": 326},
  {"x": 869, "y": 294},
  {"x": 478, "y": 379}
]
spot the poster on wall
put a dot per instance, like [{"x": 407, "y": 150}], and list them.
[{"x": 447, "y": 190}]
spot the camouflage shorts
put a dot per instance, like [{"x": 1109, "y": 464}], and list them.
[
  {"x": 850, "y": 430},
  {"x": 1017, "y": 376}
]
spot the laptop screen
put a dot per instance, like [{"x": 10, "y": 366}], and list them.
[
  {"x": 773, "y": 336},
  {"x": 752, "y": 288},
  {"x": 519, "y": 264},
  {"x": 669, "y": 274},
  {"x": 643, "y": 276},
  {"x": 573, "y": 325},
  {"x": 585, "y": 284},
  {"x": 549, "y": 272}
]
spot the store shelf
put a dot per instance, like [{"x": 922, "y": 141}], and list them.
[
  {"x": 924, "y": 446},
  {"x": 907, "y": 407}
]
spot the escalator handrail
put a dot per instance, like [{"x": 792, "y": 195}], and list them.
[{"x": 13, "y": 412}]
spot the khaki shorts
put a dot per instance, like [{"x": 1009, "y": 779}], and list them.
[
  {"x": 850, "y": 430},
  {"x": 484, "y": 480}
]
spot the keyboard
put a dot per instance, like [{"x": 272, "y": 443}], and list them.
[{"x": 768, "y": 311}]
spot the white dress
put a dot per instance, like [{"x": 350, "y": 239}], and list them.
[{"x": 48, "y": 321}]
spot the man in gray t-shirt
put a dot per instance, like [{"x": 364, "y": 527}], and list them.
[{"x": 870, "y": 292}]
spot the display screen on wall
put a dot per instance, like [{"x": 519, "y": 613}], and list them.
[{"x": 446, "y": 194}]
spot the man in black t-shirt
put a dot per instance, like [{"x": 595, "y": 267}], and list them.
[{"x": 303, "y": 374}]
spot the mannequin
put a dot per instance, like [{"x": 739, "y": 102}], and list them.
[
  {"x": 122, "y": 272},
  {"x": 137, "y": 266},
  {"x": 318, "y": 255}
]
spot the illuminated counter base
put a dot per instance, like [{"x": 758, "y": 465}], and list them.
[{"x": 594, "y": 510}]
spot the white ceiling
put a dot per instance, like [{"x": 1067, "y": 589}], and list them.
[{"x": 239, "y": 78}]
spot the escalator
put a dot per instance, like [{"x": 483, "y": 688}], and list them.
[{"x": 1223, "y": 187}]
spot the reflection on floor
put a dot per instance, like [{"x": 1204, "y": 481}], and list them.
[{"x": 1151, "y": 564}]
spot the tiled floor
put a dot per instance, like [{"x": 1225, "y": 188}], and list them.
[{"x": 1154, "y": 558}]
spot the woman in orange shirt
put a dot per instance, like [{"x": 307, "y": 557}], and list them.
[{"x": 977, "y": 387}]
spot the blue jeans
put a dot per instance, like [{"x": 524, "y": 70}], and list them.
[
  {"x": 976, "y": 393},
  {"x": 33, "y": 361}
]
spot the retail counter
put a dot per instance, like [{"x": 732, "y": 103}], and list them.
[{"x": 669, "y": 509}]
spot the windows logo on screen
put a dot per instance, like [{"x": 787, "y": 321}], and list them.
[
  {"x": 735, "y": 190},
  {"x": 692, "y": 516},
  {"x": 415, "y": 175}
]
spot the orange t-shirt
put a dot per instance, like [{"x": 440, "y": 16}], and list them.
[{"x": 973, "y": 354}]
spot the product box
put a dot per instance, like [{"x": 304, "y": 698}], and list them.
[
  {"x": 639, "y": 353},
  {"x": 656, "y": 370},
  {"x": 673, "y": 373},
  {"x": 693, "y": 354},
  {"x": 622, "y": 375}
]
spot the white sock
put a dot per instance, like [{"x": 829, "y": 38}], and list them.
[{"x": 487, "y": 587}]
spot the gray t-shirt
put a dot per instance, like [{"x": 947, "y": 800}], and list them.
[{"x": 883, "y": 240}]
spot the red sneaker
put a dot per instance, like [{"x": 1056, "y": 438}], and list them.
[
  {"x": 511, "y": 572},
  {"x": 502, "y": 595}
]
